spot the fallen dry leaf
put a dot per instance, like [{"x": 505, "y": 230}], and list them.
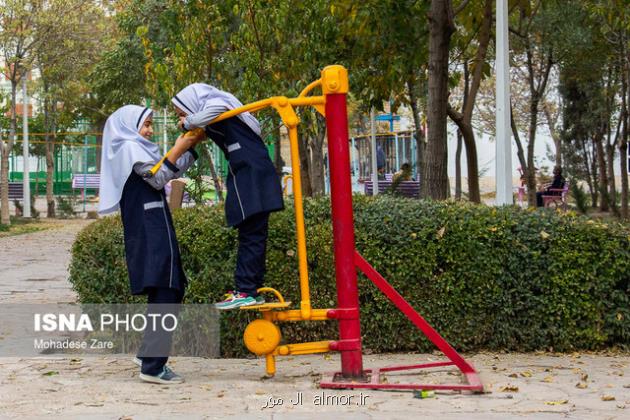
[
  {"x": 526, "y": 374},
  {"x": 548, "y": 379},
  {"x": 584, "y": 377},
  {"x": 559, "y": 402},
  {"x": 513, "y": 375},
  {"x": 508, "y": 388},
  {"x": 221, "y": 394},
  {"x": 608, "y": 398},
  {"x": 260, "y": 392},
  {"x": 581, "y": 385}
]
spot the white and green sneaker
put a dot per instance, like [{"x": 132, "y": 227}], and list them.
[
  {"x": 236, "y": 300},
  {"x": 166, "y": 377}
]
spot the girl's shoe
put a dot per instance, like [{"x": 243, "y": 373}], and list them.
[
  {"x": 235, "y": 300},
  {"x": 167, "y": 376}
]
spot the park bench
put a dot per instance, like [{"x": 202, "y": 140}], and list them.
[
  {"x": 16, "y": 191},
  {"x": 559, "y": 199},
  {"x": 86, "y": 181},
  {"x": 409, "y": 189}
]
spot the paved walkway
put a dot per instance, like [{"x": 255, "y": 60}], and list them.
[{"x": 33, "y": 269}]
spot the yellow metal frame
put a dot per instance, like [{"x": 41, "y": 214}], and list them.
[{"x": 334, "y": 79}]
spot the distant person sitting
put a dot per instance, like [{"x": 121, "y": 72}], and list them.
[
  {"x": 404, "y": 174},
  {"x": 557, "y": 184}
]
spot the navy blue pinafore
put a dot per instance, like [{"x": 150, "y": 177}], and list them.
[
  {"x": 151, "y": 248},
  {"x": 253, "y": 186}
]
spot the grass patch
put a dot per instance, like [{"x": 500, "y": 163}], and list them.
[{"x": 20, "y": 226}]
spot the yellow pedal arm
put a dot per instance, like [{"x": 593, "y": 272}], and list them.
[
  {"x": 303, "y": 348},
  {"x": 295, "y": 315}
]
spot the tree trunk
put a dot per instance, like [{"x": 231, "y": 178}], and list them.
[
  {"x": 4, "y": 171},
  {"x": 623, "y": 144},
  {"x": 441, "y": 27},
  {"x": 4, "y": 183},
  {"x": 50, "y": 169},
  {"x": 458, "y": 166},
  {"x": 555, "y": 136},
  {"x": 531, "y": 168},
  {"x": 50, "y": 162},
  {"x": 317, "y": 162},
  {"x": 277, "y": 151},
  {"x": 305, "y": 170},
  {"x": 413, "y": 99},
  {"x": 318, "y": 181},
  {"x": 591, "y": 160},
  {"x": 603, "y": 178},
  {"x": 213, "y": 172},
  {"x": 471, "y": 87},
  {"x": 610, "y": 170},
  {"x": 520, "y": 152}
]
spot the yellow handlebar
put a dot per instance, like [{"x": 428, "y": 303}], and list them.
[{"x": 156, "y": 167}]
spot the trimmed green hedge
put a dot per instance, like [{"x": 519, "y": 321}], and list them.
[{"x": 484, "y": 277}]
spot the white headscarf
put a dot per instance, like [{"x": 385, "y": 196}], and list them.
[
  {"x": 193, "y": 98},
  {"x": 123, "y": 147}
]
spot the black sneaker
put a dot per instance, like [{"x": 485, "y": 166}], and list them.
[{"x": 167, "y": 376}]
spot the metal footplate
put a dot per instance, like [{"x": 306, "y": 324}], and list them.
[{"x": 268, "y": 306}]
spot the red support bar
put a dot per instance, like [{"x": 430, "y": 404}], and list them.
[
  {"x": 352, "y": 313},
  {"x": 345, "y": 345},
  {"x": 413, "y": 316},
  {"x": 343, "y": 222},
  {"x": 334, "y": 84}
]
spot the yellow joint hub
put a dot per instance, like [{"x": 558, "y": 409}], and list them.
[
  {"x": 262, "y": 337},
  {"x": 284, "y": 108},
  {"x": 335, "y": 80}
]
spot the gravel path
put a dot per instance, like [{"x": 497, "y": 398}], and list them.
[{"x": 33, "y": 269}]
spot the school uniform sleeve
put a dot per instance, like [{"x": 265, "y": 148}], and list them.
[
  {"x": 212, "y": 109},
  {"x": 185, "y": 161},
  {"x": 166, "y": 172}
]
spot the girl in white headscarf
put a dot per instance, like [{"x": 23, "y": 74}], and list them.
[
  {"x": 253, "y": 186},
  {"x": 151, "y": 248}
]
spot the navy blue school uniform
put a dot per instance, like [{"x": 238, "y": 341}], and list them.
[
  {"x": 253, "y": 186},
  {"x": 153, "y": 258},
  {"x": 253, "y": 192},
  {"x": 151, "y": 248}
]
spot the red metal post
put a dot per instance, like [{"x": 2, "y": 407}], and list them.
[{"x": 335, "y": 87}]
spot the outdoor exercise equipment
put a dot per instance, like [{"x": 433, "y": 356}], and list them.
[{"x": 263, "y": 336}]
